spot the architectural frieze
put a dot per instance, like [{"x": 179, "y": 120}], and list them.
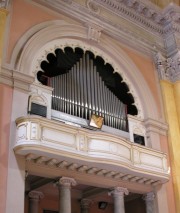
[{"x": 139, "y": 21}]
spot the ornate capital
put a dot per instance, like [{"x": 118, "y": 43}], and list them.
[
  {"x": 36, "y": 195},
  {"x": 168, "y": 68},
  {"x": 149, "y": 196},
  {"x": 67, "y": 182},
  {"x": 119, "y": 192},
  {"x": 3, "y": 3},
  {"x": 86, "y": 203}
]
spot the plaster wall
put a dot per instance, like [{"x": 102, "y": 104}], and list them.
[
  {"x": 29, "y": 16},
  {"x": 16, "y": 164},
  {"x": 147, "y": 69},
  {"x": 5, "y": 120},
  {"x": 32, "y": 15}
]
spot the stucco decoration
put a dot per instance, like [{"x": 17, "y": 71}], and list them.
[
  {"x": 92, "y": 6},
  {"x": 4, "y": 3},
  {"x": 47, "y": 37},
  {"x": 168, "y": 68},
  {"x": 94, "y": 33}
]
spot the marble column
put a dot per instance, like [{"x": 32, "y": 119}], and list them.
[
  {"x": 34, "y": 197},
  {"x": 85, "y": 205},
  {"x": 150, "y": 205},
  {"x": 118, "y": 195},
  {"x": 65, "y": 184}
]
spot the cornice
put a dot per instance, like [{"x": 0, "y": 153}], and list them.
[
  {"x": 15, "y": 79},
  {"x": 142, "y": 14},
  {"x": 137, "y": 23},
  {"x": 156, "y": 126},
  {"x": 132, "y": 27}
]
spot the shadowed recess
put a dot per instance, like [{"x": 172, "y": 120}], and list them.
[{"x": 62, "y": 61}]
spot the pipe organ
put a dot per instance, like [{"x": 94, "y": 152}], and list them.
[{"x": 81, "y": 92}]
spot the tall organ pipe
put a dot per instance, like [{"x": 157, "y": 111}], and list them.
[{"x": 81, "y": 92}]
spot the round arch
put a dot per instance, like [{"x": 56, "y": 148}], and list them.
[{"x": 44, "y": 38}]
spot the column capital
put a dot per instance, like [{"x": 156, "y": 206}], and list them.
[
  {"x": 67, "y": 182},
  {"x": 86, "y": 203},
  {"x": 168, "y": 67},
  {"x": 119, "y": 191},
  {"x": 149, "y": 196},
  {"x": 36, "y": 195}
]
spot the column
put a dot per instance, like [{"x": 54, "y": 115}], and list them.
[
  {"x": 34, "y": 197},
  {"x": 149, "y": 199},
  {"x": 85, "y": 205},
  {"x": 118, "y": 195},
  {"x": 65, "y": 184}
]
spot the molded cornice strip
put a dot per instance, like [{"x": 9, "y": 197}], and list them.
[
  {"x": 141, "y": 24},
  {"x": 131, "y": 28},
  {"x": 16, "y": 79},
  {"x": 70, "y": 145}
]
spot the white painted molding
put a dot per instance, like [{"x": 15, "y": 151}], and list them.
[
  {"x": 45, "y": 139},
  {"x": 15, "y": 79},
  {"x": 152, "y": 21},
  {"x": 156, "y": 126},
  {"x": 50, "y": 37}
]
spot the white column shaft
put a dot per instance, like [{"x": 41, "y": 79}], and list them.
[
  {"x": 119, "y": 204},
  {"x": 118, "y": 194},
  {"x": 65, "y": 200},
  {"x": 65, "y": 184}
]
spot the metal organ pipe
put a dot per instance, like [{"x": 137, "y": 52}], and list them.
[{"x": 81, "y": 92}]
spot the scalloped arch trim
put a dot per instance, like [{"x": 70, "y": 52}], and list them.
[{"x": 46, "y": 37}]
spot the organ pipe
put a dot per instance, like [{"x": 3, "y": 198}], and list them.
[{"x": 82, "y": 92}]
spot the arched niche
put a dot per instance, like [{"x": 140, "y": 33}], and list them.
[{"x": 42, "y": 39}]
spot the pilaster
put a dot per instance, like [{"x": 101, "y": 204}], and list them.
[{"x": 169, "y": 74}]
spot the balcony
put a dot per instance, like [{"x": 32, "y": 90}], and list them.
[{"x": 49, "y": 142}]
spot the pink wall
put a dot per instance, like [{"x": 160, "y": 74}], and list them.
[
  {"x": 31, "y": 15},
  {"x": 5, "y": 118},
  {"x": 146, "y": 67},
  {"x": 25, "y": 16}
]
